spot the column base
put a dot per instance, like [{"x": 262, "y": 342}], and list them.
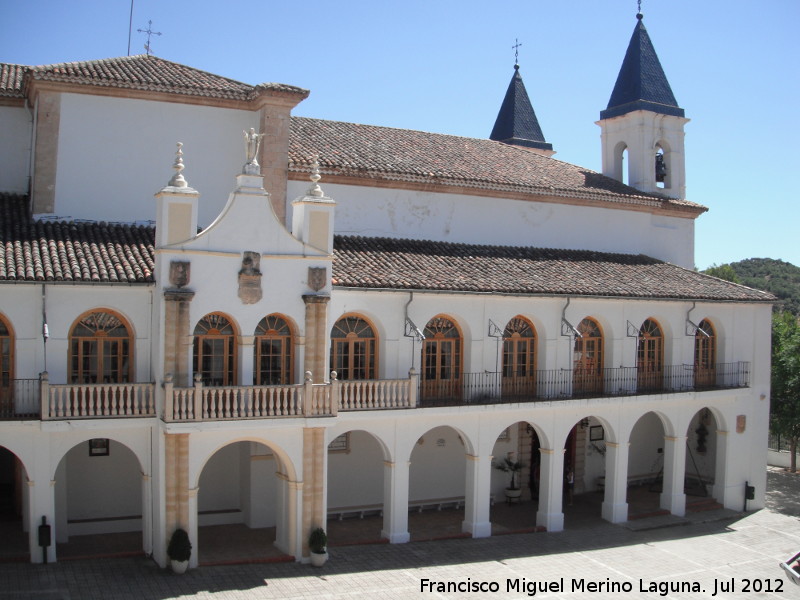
[
  {"x": 674, "y": 503},
  {"x": 550, "y": 521},
  {"x": 397, "y": 538},
  {"x": 615, "y": 513},
  {"x": 478, "y": 530}
]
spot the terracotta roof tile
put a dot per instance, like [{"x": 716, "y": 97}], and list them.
[
  {"x": 387, "y": 154},
  {"x": 11, "y": 79},
  {"x": 426, "y": 265},
  {"x": 68, "y": 251},
  {"x": 141, "y": 72}
]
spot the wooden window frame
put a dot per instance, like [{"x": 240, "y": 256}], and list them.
[
  {"x": 212, "y": 333},
  {"x": 106, "y": 347},
  {"x": 351, "y": 338},
  {"x": 270, "y": 328}
]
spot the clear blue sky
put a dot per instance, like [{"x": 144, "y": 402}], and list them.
[{"x": 443, "y": 66}]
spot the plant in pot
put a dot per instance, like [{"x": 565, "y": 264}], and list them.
[
  {"x": 318, "y": 544},
  {"x": 509, "y": 465},
  {"x": 179, "y": 550}
]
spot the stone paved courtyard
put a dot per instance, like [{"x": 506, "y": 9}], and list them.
[{"x": 711, "y": 551}]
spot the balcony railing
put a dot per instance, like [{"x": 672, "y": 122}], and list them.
[
  {"x": 96, "y": 400},
  {"x": 19, "y": 399},
  {"x": 563, "y": 384}
]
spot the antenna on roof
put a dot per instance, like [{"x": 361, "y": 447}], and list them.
[
  {"x": 516, "y": 51},
  {"x": 130, "y": 29},
  {"x": 149, "y": 32}
]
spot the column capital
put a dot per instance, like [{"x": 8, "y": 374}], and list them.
[
  {"x": 316, "y": 298},
  {"x": 178, "y": 295}
]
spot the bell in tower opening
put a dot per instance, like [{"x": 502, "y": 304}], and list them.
[{"x": 661, "y": 168}]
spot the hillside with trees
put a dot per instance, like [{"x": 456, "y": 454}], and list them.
[{"x": 776, "y": 276}]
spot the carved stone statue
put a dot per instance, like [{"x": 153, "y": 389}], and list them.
[
  {"x": 252, "y": 142},
  {"x": 250, "y": 278}
]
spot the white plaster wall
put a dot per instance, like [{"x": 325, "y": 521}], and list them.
[
  {"x": 23, "y": 305},
  {"x": 219, "y": 482},
  {"x": 15, "y": 146},
  {"x": 647, "y": 438},
  {"x": 102, "y": 489},
  {"x": 132, "y": 143},
  {"x": 356, "y": 477},
  {"x": 438, "y": 466},
  {"x": 379, "y": 212}
]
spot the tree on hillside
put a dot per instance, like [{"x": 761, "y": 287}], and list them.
[
  {"x": 776, "y": 276},
  {"x": 785, "y": 395},
  {"x": 725, "y": 272}
]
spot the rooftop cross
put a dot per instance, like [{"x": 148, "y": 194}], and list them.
[
  {"x": 516, "y": 50},
  {"x": 149, "y": 31},
  {"x": 639, "y": 8}
]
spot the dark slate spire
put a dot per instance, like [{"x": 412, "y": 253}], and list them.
[
  {"x": 641, "y": 83},
  {"x": 516, "y": 122}
]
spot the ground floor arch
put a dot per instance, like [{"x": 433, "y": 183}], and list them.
[
  {"x": 100, "y": 491},
  {"x": 13, "y": 507},
  {"x": 358, "y": 481},
  {"x": 242, "y": 506}
]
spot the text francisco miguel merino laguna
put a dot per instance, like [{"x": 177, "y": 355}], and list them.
[{"x": 562, "y": 585}]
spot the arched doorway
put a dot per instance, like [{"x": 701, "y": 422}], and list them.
[
  {"x": 215, "y": 350},
  {"x": 356, "y": 503},
  {"x": 13, "y": 499},
  {"x": 99, "y": 503},
  {"x": 240, "y": 505},
  {"x": 587, "y": 359},
  {"x": 645, "y": 467},
  {"x": 701, "y": 458},
  {"x": 441, "y": 362},
  {"x": 584, "y": 472},
  {"x": 519, "y": 359},
  {"x": 354, "y": 349},
  {"x": 650, "y": 357},
  {"x": 437, "y": 485},
  {"x": 705, "y": 355}
]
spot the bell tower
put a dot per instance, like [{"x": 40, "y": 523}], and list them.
[{"x": 642, "y": 127}]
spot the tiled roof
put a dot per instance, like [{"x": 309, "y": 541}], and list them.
[
  {"x": 516, "y": 122},
  {"x": 383, "y": 263},
  {"x": 150, "y": 73},
  {"x": 74, "y": 252},
  {"x": 641, "y": 83},
  {"x": 387, "y": 154},
  {"x": 55, "y": 251},
  {"x": 11, "y": 79}
]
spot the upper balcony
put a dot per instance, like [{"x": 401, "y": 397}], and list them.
[{"x": 39, "y": 399}]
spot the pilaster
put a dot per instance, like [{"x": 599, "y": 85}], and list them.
[
  {"x": 673, "y": 498},
  {"x": 477, "y": 497},
  {"x": 395, "y": 502},
  {"x": 176, "y": 332},
  {"x": 316, "y": 326},
  {"x": 615, "y": 502},
  {"x": 315, "y": 465},
  {"x": 551, "y": 490}
]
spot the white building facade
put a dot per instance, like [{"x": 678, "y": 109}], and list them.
[{"x": 370, "y": 343}]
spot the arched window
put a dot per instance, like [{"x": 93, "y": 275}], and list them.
[
  {"x": 441, "y": 359},
  {"x": 519, "y": 357},
  {"x": 353, "y": 348},
  {"x": 273, "y": 352},
  {"x": 100, "y": 345},
  {"x": 587, "y": 359},
  {"x": 215, "y": 350},
  {"x": 650, "y": 357},
  {"x": 705, "y": 354}
]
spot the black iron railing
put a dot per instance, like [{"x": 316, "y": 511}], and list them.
[
  {"x": 19, "y": 399},
  {"x": 563, "y": 384}
]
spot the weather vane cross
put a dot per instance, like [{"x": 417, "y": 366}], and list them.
[
  {"x": 516, "y": 49},
  {"x": 149, "y": 31},
  {"x": 639, "y": 4}
]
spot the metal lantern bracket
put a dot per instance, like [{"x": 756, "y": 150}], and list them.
[
  {"x": 568, "y": 329},
  {"x": 633, "y": 331},
  {"x": 413, "y": 331},
  {"x": 494, "y": 330}
]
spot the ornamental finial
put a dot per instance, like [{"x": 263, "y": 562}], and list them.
[
  {"x": 315, "y": 190},
  {"x": 177, "y": 179}
]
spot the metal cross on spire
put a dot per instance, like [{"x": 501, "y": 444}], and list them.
[
  {"x": 639, "y": 7},
  {"x": 149, "y": 31},
  {"x": 516, "y": 49}
]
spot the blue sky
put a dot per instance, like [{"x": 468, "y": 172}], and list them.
[{"x": 443, "y": 66}]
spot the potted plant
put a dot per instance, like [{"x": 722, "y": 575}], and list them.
[
  {"x": 509, "y": 465},
  {"x": 318, "y": 544},
  {"x": 179, "y": 550}
]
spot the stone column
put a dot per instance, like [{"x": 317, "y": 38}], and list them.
[
  {"x": 177, "y": 482},
  {"x": 615, "y": 502},
  {"x": 551, "y": 490},
  {"x": 315, "y": 464},
  {"x": 176, "y": 332},
  {"x": 477, "y": 497},
  {"x": 673, "y": 498},
  {"x": 192, "y": 525},
  {"x": 316, "y": 336},
  {"x": 395, "y": 502}
]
